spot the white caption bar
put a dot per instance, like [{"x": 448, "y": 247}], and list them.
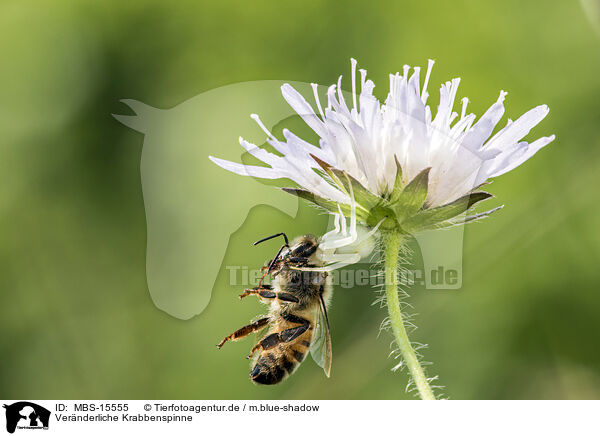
[{"x": 318, "y": 417}]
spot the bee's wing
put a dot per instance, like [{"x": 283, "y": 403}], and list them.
[{"x": 320, "y": 350}]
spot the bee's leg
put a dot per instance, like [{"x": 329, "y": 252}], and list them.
[
  {"x": 283, "y": 336},
  {"x": 245, "y": 331},
  {"x": 268, "y": 293},
  {"x": 262, "y": 279},
  {"x": 296, "y": 319},
  {"x": 255, "y": 291},
  {"x": 281, "y": 296}
]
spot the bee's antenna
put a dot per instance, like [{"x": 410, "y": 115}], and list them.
[
  {"x": 285, "y": 238},
  {"x": 276, "y": 258}
]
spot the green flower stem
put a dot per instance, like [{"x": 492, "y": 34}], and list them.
[{"x": 392, "y": 243}]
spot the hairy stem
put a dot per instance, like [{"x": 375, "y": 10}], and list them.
[{"x": 392, "y": 243}]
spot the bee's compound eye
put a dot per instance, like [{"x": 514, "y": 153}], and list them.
[{"x": 316, "y": 279}]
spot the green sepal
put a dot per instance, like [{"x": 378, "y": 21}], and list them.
[
  {"x": 328, "y": 205},
  {"x": 363, "y": 197},
  {"x": 467, "y": 219},
  {"x": 412, "y": 197},
  {"x": 434, "y": 217},
  {"x": 398, "y": 183},
  {"x": 479, "y": 216}
]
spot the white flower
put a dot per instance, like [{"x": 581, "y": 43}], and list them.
[{"x": 382, "y": 149}]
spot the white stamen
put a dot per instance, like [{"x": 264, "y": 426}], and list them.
[
  {"x": 424, "y": 93},
  {"x": 465, "y": 102},
  {"x": 262, "y": 126},
  {"x": 405, "y": 70},
  {"x": 330, "y": 95},
  {"x": 453, "y": 89},
  {"x": 363, "y": 79},
  {"x": 315, "y": 91},
  {"x": 353, "y": 62}
]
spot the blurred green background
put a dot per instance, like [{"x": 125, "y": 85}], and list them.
[{"x": 76, "y": 317}]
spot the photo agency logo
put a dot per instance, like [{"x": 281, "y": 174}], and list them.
[{"x": 24, "y": 415}]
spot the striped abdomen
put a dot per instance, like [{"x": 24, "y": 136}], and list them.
[{"x": 276, "y": 363}]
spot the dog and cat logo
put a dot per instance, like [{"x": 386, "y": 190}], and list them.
[{"x": 26, "y": 415}]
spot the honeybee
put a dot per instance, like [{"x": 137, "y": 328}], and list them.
[{"x": 298, "y": 297}]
